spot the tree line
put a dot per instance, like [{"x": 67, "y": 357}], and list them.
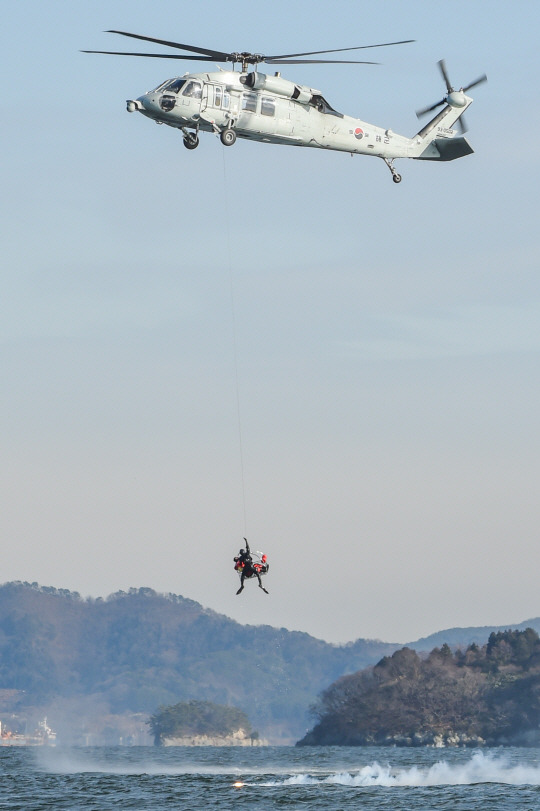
[{"x": 198, "y": 718}]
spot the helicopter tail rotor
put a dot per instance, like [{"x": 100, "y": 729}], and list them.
[{"x": 454, "y": 98}]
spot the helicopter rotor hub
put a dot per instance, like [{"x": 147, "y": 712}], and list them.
[{"x": 456, "y": 98}]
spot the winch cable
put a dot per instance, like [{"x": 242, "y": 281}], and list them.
[{"x": 234, "y": 343}]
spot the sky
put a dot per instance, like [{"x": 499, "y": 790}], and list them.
[{"x": 271, "y": 342}]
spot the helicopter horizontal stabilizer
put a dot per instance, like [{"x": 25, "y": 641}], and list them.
[{"x": 446, "y": 149}]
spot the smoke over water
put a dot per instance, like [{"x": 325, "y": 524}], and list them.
[{"x": 480, "y": 768}]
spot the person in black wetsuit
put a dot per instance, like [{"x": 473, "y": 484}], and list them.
[{"x": 243, "y": 562}]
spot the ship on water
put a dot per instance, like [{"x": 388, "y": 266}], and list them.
[{"x": 43, "y": 735}]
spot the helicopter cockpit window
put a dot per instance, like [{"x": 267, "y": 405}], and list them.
[
  {"x": 268, "y": 106},
  {"x": 193, "y": 89},
  {"x": 176, "y": 86},
  {"x": 162, "y": 85},
  {"x": 249, "y": 102}
]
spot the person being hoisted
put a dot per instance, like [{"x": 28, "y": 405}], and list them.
[{"x": 243, "y": 563}]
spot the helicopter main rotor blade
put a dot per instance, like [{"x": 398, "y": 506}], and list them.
[
  {"x": 219, "y": 56},
  {"x": 249, "y": 58},
  {"x": 482, "y": 78},
  {"x": 152, "y": 56},
  {"x": 193, "y": 57},
  {"x": 337, "y": 50},
  {"x": 270, "y": 61}
]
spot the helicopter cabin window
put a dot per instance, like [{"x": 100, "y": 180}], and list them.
[
  {"x": 193, "y": 89},
  {"x": 176, "y": 86},
  {"x": 221, "y": 97},
  {"x": 249, "y": 102},
  {"x": 268, "y": 106}
]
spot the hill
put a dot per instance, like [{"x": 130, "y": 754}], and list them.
[
  {"x": 463, "y": 637},
  {"x": 78, "y": 660},
  {"x": 99, "y": 667},
  {"x": 488, "y": 695}
]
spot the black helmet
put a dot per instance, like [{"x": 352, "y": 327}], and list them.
[{"x": 242, "y": 552}]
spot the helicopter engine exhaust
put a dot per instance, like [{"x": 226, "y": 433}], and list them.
[{"x": 275, "y": 84}]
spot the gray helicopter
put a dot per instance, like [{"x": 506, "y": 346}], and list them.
[{"x": 271, "y": 109}]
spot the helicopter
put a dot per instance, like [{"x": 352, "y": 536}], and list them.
[{"x": 253, "y": 105}]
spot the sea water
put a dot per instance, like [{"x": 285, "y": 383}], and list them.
[{"x": 266, "y": 778}]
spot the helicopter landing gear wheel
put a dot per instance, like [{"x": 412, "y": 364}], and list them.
[
  {"x": 228, "y": 137},
  {"x": 191, "y": 141},
  {"x": 395, "y": 176}
]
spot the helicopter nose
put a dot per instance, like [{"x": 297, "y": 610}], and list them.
[
  {"x": 142, "y": 104},
  {"x": 149, "y": 102},
  {"x": 147, "y": 105}
]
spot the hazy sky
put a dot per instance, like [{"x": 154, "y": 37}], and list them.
[{"x": 387, "y": 337}]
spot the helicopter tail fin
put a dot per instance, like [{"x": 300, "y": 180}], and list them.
[{"x": 436, "y": 141}]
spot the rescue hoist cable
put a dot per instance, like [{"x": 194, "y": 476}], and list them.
[{"x": 235, "y": 346}]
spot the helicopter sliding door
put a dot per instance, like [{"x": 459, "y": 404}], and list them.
[
  {"x": 265, "y": 116},
  {"x": 219, "y": 106},
  {"x": 216, "y": 97}
]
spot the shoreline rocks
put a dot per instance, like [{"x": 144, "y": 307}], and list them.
[{"x": 238, "y": 738}]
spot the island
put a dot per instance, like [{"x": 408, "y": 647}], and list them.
[
  {"x": 483, "y": 696},
  {"x": 202, "y": 723}
]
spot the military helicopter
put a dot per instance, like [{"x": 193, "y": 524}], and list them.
[{"x": 272, "y": 109}]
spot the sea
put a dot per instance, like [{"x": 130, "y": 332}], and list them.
[{"x": 266, "y": 778}]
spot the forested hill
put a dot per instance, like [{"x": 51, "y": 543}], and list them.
[
  {"x": 137, "y": 650},
  {"x": 481, "y": 695},
  {"x": 463, "y": 637}
]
